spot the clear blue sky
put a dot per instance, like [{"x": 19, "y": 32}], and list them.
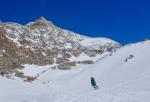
[{"x": 125, "y": 21}]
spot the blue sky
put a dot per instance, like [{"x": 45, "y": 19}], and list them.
[{"x": 125, "y": 21}]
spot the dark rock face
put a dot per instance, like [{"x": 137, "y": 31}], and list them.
[{"x": 40, "y": 43}]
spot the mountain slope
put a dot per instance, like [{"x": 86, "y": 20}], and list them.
[
  {"x": 121, "y": 78},
  {"x": 41, "y": 43}
]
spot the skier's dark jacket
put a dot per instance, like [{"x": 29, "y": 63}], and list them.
[{"x": 93, "y": 81}]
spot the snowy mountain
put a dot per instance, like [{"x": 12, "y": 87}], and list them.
[
  {"x": 41, "y": 43},
  {"x": 122, "y": 76}
]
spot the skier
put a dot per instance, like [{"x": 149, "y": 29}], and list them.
[{"x": 93, "y": 83}]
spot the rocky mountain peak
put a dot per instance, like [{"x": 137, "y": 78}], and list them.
[
  {"x": 42, "y": 22},
  {"x": 42, "y": 18},
  {"x": 41, "y": 43}
]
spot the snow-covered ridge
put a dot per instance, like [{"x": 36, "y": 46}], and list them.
[
  {"x": 44, "y": 31},
  {"x": 95, "y": 43}
]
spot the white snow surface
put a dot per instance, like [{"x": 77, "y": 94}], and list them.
[
  {"x": 118, "y": 80},
  {"x": 84, "y": 57},
  {"x": 97, "y": 42},
  {"x": 33, "y": 70}
]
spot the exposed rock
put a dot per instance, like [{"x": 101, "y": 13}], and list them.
[
  {"x": 59, "y": 60},
  {"x": 41, "y": 43},
  {"x": 19, "y": 73},
  {"x": 129, "y": 57},
  {"x": 146, "y": 39},
  {"x": 86, "y": 62},
  {"x": 4, "y": 71},
  {"x": 29, "y": 78},
  {"x": 70, "y": 63},
  {"x": 66, "y": 65}
]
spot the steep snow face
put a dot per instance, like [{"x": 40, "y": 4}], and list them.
[
  {"x": 99, "y": 43},
  {"x": 122, "y": 77},
  {"x": 96, "y": 41}
]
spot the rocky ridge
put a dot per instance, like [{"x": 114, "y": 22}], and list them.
[{"x": 41, "y": 43}]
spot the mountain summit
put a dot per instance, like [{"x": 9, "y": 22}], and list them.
[{"x": 41, "y": 42}]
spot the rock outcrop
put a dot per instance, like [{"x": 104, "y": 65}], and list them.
[{"x": 41, "y": 43}]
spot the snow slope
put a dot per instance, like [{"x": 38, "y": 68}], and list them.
[
  {"x": 96, "y": 43},
  {"x": 119, "y": 80}
]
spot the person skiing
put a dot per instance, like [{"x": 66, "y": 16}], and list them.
[{"x": 93, "y": 83}]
